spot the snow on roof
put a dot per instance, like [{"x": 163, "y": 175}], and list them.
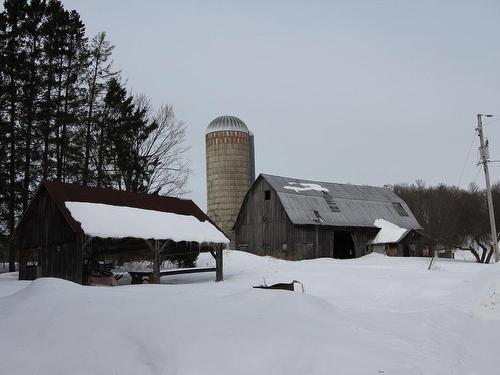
[
  {"x": 302, "y": 186},
  {"x": 388, "y": 233},
  {"x": 359, "y": 205},
  {"x": 108, "y": 221}
]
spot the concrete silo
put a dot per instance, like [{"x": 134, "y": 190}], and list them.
[{"x": 230, "y": 169}]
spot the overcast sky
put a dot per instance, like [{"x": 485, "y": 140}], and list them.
[{"x": 364, "y": 92}]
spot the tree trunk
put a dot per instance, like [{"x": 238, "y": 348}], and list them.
[
  {"x": 46, "y": 132},
  {"x": 12, "y": 171},
  {"x": 29, "y": 127},
  {"x": 88, "y": 138}
]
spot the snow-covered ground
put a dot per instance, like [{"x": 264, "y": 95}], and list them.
[{"x": 372, "y": 315}]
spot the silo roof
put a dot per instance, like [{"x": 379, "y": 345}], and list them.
[{"x": 227, "y": 123}]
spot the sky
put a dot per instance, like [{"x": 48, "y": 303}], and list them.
[{"x": 362, "y": 92}]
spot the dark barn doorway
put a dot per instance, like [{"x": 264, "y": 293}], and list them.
[{"x": 343, "y": 245}]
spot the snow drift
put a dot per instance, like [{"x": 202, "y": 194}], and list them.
[{"x": 371, "y": 315}]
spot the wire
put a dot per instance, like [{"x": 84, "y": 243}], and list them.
[
  {"x": 477, "y": 174},
  {"x": 466, "y": 159},
  {"x": 491, "y": 122}
]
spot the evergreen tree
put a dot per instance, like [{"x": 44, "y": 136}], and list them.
[
  {"x": 98, "y": 74},
  {"x": 127, "y": 128},
  {"x": 30, "y": 92},
  {"x": 13, "y": 63},
  {"x": 64, "y": 115}
]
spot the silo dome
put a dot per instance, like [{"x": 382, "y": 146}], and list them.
[{"x": 227, "y": 123}]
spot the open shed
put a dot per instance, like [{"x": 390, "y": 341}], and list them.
[{"x": 67, "y": 227}]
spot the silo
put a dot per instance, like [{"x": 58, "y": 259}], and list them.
[{"x": 230, "y": 166}]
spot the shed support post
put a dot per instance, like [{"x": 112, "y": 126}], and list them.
[
  {"x": 316, "y": 242},
  {"x": 219, "y": 273},
  {"x": 156, "y": 263},
  {"x": 332, "y": 248}
]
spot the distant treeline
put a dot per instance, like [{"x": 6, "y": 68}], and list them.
[
  {"x": 66, "y": 115},
  {"x": 453, "y": 217}
]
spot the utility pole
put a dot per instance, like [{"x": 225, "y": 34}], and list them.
[{"x": 484, "y": 153}]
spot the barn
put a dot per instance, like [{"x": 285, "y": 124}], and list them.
[
  {"x": 68, "y": 228},
  {"x": 297, "y": 219}
]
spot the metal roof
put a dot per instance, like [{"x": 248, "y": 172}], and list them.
[
  {"x": 64, "y": 192},
  {"x": 358, "y": 205},
  {"x": 227, "y": 123}
]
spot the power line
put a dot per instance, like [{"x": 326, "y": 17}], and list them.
[
  {"x": 466, "y": 159},
  {"x": 477, "y": 174},
  {"x": 491, "y": 122}
]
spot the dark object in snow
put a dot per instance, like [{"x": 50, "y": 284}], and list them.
[
  {"x": 100, "y": 268},
  {"x": 138, "y": 277},
  {"x": 283, "y": 286}
]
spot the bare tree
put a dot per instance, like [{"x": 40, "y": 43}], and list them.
[
  {"x": 453, "y": 217},
  {"x": 165, "y": 151}
]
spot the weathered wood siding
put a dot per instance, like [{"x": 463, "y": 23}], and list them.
[
  {"x": 262, "y": 225},
  {"x": 46, "y": 245}
]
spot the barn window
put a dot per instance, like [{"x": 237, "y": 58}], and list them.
[
  {"x": 400, "y": 209},
  {"x": 267, "y": 195},
  {"x": 318, "y": 217},
  {"x": 330, "y": 202}
]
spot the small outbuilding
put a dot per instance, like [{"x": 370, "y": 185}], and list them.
[
  {"x": 297, "y": 219},
  {"x": 68, "y": 227},
  {"x": 395, "y": 241}
]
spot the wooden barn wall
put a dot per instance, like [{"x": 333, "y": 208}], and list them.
[
  {"x": 44, "y": 238},
  {"x": 262, "y": 227},
  {"x": 361, "y": 238}
]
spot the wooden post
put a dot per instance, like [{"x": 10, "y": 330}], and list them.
[
  {"x": 77, "y": 276},
  {"x": 156, "y": 262},
  {"x": 219, "y": 273},
  {"x": 316, "y": 242},
  {"x": 156, "y": 249},
  {"x": 332, "y": 248}
]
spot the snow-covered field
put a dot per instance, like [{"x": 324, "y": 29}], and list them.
[{"x": 372, "y": 315}]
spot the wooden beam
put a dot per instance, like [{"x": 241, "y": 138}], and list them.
[
  {"x": 179, "y": 271},
  {"x": 219, "y": 273},
  {"x": 156, "y": 262}
]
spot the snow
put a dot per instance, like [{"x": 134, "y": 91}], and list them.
[
  {"x": 371, "y": 315},
  {"x": 302, "y": 186},
  {"x": 388, "y": 233},
  {"x": 108, "y": 221}
]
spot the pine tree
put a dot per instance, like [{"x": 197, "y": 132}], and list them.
[
  {"x": 13, "y": 63},
  {"x": 30, "y": 92},
  {"x": 125, "y": 128},
  {"x": 98, "y": 74},
  {"x": 76, "y": 60}
]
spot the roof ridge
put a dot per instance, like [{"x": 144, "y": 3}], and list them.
[
  {"x": 337, "y": 197},
  {"x": 106, "y": 188},
  {"x": 325, "y": 182}
]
